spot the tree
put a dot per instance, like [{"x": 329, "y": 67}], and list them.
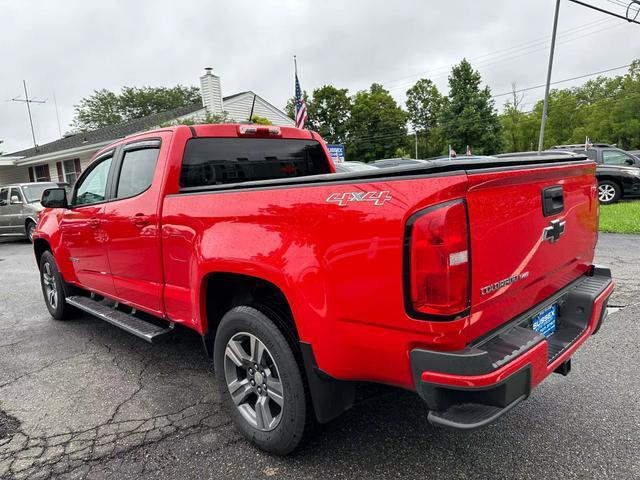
[
  {"x": 468, "y": 114},
  {"x": 424, "y": 103},
  {"x": 105, "y": 107},
  {"x": 329, "y": 113},
  {"x": 424, "y": 107},
  {"x": 376, "y": 126}
]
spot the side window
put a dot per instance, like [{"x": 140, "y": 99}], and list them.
[
  {"x": 4, "y": 197},
  {"x": 591, "y": 154},
  {"x": 15, "y": 192},
  {"x": 615, "y": 157},
  {"x": 136, "y": 173},
  {"x": 93, "y": 187}
]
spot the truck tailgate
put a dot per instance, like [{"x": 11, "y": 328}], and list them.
[{"x": 515, "y": 265}]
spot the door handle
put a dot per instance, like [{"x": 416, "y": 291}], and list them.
[
  {"x": 94, "y": 223},
  {"x": 552, "y": 200},
  {"x": 140, "y": 220}
]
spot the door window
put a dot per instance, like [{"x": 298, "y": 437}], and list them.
[
  {"x": 136, "y": 174},
  {"x": 4, "y": 197},
  {"x": 93, "y": 187},
  {"x": 15, "y": 192},
  {"x": 615, "y": 157}
]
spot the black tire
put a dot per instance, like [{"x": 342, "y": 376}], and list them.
[
  {"x": 296, "y": 414},
  {"x": 50, "y": 278},
  {"x": 608, "y": 192},
  {"x": 30, "y": 227}
]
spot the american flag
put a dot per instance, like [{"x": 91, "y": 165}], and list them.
[{"x": 301, "y": 107}]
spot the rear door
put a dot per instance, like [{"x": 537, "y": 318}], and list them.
[
  {"x": 82, "y": 227},
  {"x": 132, "y": 224},
  {"x": 5, "y": 217},
  {"x": 521, "y": 253}
]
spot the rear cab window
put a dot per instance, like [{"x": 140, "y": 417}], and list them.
[
  {"x": 137, "y": 170},
  {"x": 219, "y": 161}
]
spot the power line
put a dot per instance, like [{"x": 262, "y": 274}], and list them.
[
  {"x": 560, "y": 81},
  {"x": 602, "y": 10}
]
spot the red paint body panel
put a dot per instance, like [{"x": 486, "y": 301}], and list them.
[{"x": 339, "y": 266}]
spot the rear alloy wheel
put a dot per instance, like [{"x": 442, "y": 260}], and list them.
[
  {"x": 30, "y": 228},
  {"x": 260, "y": 381},
  {"x": 253, "y": 381},
  {"x": 608, "y": 192}
]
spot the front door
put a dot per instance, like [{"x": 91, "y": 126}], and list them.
[
  {"x": 82, "y": 228},
  {"x": 132, "y": 225},
  {"x": 16, "y": 211}
]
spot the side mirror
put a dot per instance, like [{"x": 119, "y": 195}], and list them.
[
  {"x": 628, "y": 161},
  {"x": 15, "y": 200},
  {"x": 54, "y": 198}
]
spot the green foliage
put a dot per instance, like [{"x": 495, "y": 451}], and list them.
[
  {"x": 623, "y": 217},
  {"x": 104, "y": 107},
  {"x": 468, "y": 113},
  {"x": 605, "y": 109},
  {"x": 258, "y": 120},
  {"x": 207, "y": 119},
  {"x": 329, "y": 112},
  {"x": 377, "y": 125}
]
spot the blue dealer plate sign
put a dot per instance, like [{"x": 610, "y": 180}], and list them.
[{"x": 544, "y": 322}]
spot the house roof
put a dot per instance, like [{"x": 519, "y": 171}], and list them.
[{"x": 110, "y": 132}]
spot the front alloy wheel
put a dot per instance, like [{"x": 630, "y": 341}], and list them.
[
  {"x": 253, "y": 381},
  {"x": 49, "y": 287}
]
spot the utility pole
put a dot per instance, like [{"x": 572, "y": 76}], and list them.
[
  {"x": 546, "y": 92},
  {"x": 416, "y": 136},
  {"x": 29, "y": 101}
]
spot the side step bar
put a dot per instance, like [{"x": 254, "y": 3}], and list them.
[
  {"x": 469, "y": 416},
  {"x": 130, "y": 323}
]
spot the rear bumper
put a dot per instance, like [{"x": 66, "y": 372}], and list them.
[{"x": 470, "y": 388}]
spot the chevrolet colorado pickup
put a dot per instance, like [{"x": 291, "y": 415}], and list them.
[{"x": 467, "y": 282}]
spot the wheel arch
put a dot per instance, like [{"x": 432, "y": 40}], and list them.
[
  {"x": 222, "y": 291},
  {"x": 40, "y": 245}
]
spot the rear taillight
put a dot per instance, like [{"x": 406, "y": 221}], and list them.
[{"x": 437, "y": 262}]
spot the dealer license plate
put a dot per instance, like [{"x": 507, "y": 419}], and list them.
[{"x": 544, "y": 322}]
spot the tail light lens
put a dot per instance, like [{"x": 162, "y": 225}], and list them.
[{"x": 437, "y": 261}]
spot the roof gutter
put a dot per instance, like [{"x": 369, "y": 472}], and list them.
[{"x": 61, "y": 154}]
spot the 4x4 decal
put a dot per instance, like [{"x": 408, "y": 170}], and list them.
[{"x": 342, "y": 199}]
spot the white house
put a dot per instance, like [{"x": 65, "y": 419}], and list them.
[{"x": 62, "y": 160}]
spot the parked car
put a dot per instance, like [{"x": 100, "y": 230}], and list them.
[
  {"x": 618, "y": 172},
  {"x": 457, "y": 283},
  {"x": 396, "y": 162},
  {"x": 20, "y": 206},
  {"x": 544, "y": 153},
  {"x": 353, "y": 167}
]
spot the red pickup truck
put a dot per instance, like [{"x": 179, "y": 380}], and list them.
[{"x": 465, "y": 281}]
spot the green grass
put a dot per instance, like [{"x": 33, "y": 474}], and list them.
[{"x": 623, "y": 217}]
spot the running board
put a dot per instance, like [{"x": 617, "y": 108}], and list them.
[{"x": 130, "y": 323}]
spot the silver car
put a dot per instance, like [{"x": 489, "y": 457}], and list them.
[{"x": 19, "y": 207}]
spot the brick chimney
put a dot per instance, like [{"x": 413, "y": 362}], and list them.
[{"x": 211, "y": 92}]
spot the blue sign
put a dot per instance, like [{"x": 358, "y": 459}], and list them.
[{"x": 336, "y": 152}]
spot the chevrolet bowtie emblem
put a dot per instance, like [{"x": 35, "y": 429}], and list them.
[{"x": 553, "y": 231}]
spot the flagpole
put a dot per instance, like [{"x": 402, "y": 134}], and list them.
[{"x": 295, "y": 65}]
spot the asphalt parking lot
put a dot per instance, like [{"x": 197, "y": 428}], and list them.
[{"x": 83, "y": 399}]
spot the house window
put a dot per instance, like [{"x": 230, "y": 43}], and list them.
[
  {"x": 71, "y": 174},
  {"x": 42, "y": 173}
]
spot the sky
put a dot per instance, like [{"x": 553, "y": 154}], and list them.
[{"x": 71, "y": 48}]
